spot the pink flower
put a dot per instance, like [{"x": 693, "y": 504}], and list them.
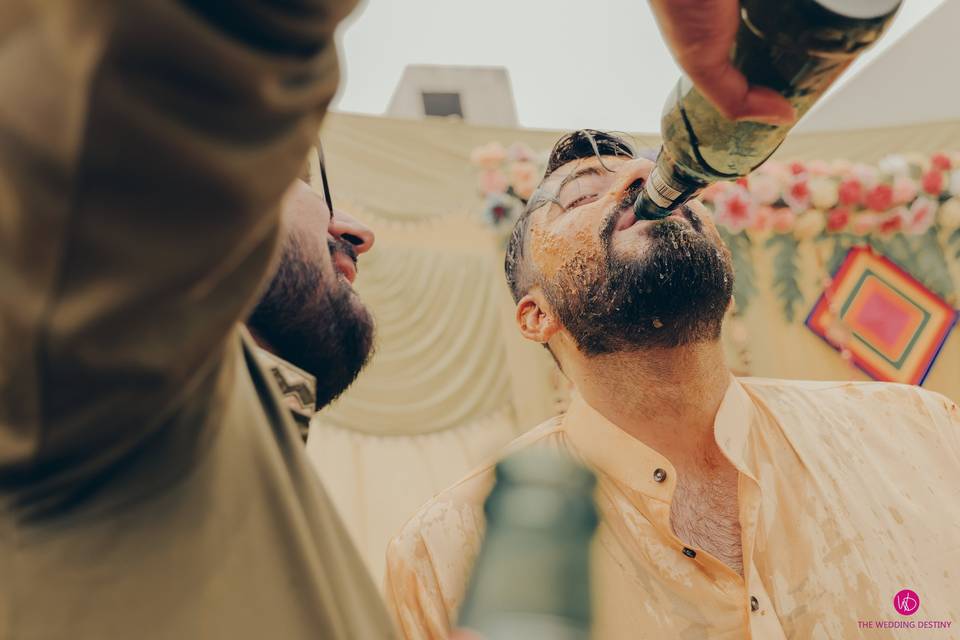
[
  {"x": 892, "y": 222},
  {"x": 777, "y": 170},
  {"x": 838, "y": 219},
  {"x": 712, "y": 191},
  {"x": 880, "y": 197},
  {"x": 818, "y": 168},
  {"x": 940, "y": 162},
  {"x": 797, "y": 195},
  {"x": 735, "y": 209},
  {"x": 763, "y": 218},
  {"x": 764, "y": 188},
  {"x": 523, "y": 178},
  {"x": 933, "y": 182},
  {"x": 519, "y": 152},
  {"x": 492, "y": 181},
  {"x": 904, "y": 190},
  {"x": 783, "y": 219},
  {"x": 921, "y": 215},
  {"x": 797, "y": 168},
  {"x": 488, "y": 156},
  {"x": 851, "y": 192},
  {"x": 864, "y": 223}
]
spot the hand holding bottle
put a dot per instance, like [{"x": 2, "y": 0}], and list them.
[{"x": 700, "y": 33}]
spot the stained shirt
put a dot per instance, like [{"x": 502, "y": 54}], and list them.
[{"x": 849, "y": 493}]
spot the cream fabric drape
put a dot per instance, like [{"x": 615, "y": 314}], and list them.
[{"x": 452, "y": 381}]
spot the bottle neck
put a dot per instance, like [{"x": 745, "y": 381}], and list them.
[{"x": 665, "y": 190}]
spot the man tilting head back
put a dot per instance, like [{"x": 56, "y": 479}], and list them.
[{"x": 730, "y": 508}]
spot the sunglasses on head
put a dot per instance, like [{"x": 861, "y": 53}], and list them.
[{"x": 323, "y": 178}]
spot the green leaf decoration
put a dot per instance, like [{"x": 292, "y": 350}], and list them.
[
  {"x": 877, "y": 244},
  {"x": 901, "y": 250},
  {"x": 744, "y": 283},
  {"x": 841, "y": 245},
  {"x": 932, "y": 268},
  {"x": 954, "y": 239},
  {"x": 785, "y": 273}
]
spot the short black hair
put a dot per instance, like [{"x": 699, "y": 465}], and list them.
[{"x": 584, "y": 143}]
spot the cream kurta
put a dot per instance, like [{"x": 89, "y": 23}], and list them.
[{"x": 849, "y": 492}]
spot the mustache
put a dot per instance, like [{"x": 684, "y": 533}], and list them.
[
  {"x": 626, "y": 202},
  {"x": 342, "y": 246}
]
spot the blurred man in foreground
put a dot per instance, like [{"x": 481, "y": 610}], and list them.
[
  {"x": 730, "y": 508},
  {"x": 315, "y": 333},
  {"x": 152, "y": 483}
]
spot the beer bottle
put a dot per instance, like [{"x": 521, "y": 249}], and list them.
[
  {"x": 797, "y": 47},
  {"x": 531, "y": 578}
]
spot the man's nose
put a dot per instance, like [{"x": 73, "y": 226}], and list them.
[
  {"x": 345, "y": 227},
  {"x": 632, "y": 172}
]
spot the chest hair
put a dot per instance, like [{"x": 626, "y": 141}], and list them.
[{"x": 705, "y": 515}]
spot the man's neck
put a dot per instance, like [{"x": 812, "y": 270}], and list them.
[{"x": 666, "y": 398}]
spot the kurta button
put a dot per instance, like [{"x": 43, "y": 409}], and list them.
[
  {"x": 690, "y": 553},
  {"x": 659, "y": 475},
  {"x": 754, "y": 603}
]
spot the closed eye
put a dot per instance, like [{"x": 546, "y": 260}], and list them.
[{"x": 584, "y": 199}]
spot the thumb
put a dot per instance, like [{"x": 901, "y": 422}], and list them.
[
  {"x": 768, "y": 106},
  {"x": 727, "y": 89}
]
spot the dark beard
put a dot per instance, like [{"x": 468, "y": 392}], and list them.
[
  {"x": 317, "y": 325},
  {"x": 676, "y": 294}
]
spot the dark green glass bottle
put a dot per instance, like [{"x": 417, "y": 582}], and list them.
[
  {"x": 797, "y": 47},
  {"x": 532, "y": 576}
]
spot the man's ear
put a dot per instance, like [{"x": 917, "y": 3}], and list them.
[{"x": 535, "y": 319}]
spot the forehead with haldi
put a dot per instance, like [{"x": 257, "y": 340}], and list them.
[{"x": 565, "y": 241}]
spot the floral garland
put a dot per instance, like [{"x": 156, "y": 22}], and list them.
[
  {"x": 507, "y": 178},
  {"x": 906, "y": 207}
]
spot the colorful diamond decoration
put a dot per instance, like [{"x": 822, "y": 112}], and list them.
[{"x": 895, "y": 326}]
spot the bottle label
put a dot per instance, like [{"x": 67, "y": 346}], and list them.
[{"x": 662, "y": 194}]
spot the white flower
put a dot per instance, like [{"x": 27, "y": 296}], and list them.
[
  {"x": 809, "y": 224},
  {"x": 894, "y": 165},
  {"x": 867, "y": 175},
  {"x": 764, "y": 188},
  {"x": 955, "y": 182},
  {"x": 823, "y": 193},
  {"x": 950, "y": 214}
]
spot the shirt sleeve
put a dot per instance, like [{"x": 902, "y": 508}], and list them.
[
  {"x": 145, "y": 146},
  {"x": 945, "y": 415},
  {"x": 413, "y": 591}
]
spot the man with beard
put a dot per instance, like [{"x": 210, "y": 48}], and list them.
[
  {"x": 730, "y": 508},
  {"x": 314, "y": 332},
  {"x": 152, "y": 482}
]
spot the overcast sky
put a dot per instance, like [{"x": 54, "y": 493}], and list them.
[{"x": 572, "y": 63}]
